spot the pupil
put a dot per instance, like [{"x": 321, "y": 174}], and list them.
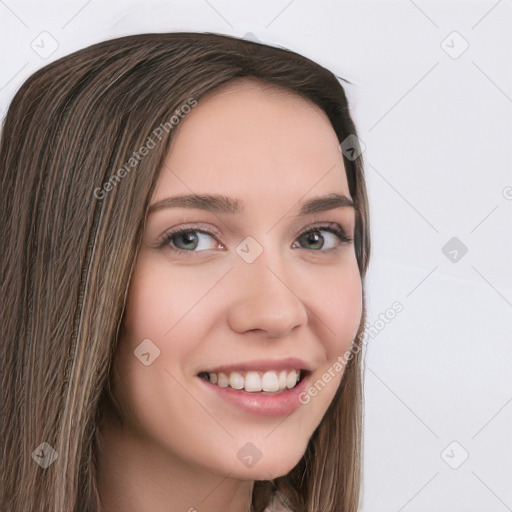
[
  {"x": 189, "y": 237},
  {"x": 314, "y": 239}
]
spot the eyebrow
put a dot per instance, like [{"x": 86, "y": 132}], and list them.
[{"x": 219, "y": 203}]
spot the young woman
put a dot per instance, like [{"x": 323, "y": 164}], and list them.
[{"x": 185, "y": 246}]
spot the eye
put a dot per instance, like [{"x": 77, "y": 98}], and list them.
[
  {"x": 190, "y": 240},
  {"x": 313, "y": 236},
  {"x": 187, "y": 241}
]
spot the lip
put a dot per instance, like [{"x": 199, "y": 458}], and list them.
[
  {"x": 288, "y": 363},
  {"x": 262, "y": 404}
]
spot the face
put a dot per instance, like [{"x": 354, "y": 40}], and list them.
[{"x": 231, "y": 296}]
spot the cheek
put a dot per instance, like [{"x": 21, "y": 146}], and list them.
[
  {"x": 338, "y": 302},
  {"x": 156, "y": 310},
  {"x": 162, "y": 299}
]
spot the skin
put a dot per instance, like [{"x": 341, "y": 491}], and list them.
[{"x": 178, "y": 449}]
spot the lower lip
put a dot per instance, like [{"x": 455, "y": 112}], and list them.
[{"x": 261, "y": 404}]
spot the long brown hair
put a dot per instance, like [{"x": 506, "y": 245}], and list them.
[{"x": 71, "y": 239}]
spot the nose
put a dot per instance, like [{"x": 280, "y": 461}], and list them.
[{"x": 265, "y": 300}]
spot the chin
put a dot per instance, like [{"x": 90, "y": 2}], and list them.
[{"x": 268, "y": 469}]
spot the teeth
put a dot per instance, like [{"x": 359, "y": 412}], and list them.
[
  {"x": 292, "y": 379},
  {"x": 282, "y": 380},
  {"x": 254, "y": 382},
  {"x": 222, "y": 381},
  {"x": 236, "y": 381},
  {"x": 270, "y": 382}
]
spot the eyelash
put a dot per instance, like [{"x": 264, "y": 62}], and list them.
[{"x": 329, "y": 227}]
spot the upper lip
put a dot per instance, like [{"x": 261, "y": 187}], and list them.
[{"x": 288, "y": 363}]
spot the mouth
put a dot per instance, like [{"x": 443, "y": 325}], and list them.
[
  {"x": 256, "y": 381},
  {"x": 264, "y": 387}
]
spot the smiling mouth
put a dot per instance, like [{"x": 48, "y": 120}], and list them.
[{"x": 269, "y": 381}]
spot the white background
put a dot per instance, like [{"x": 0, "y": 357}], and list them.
[{"x": 437, "y": 128}]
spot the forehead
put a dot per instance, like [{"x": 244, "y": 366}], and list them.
[{"x": 249, "y": 139}]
